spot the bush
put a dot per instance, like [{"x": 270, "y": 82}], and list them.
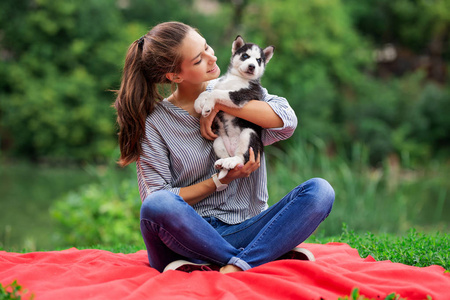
[
  {"x": 13, "y": 291},
  {"x": 106, "y": 213},
  {"x": 383, "y": 199}
]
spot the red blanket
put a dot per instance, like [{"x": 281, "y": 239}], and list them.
[{"x": 98, "y": 274}]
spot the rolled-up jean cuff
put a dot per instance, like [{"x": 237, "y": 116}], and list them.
[{"x": 239, "y": 263}]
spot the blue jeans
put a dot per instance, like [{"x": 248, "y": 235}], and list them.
[{"x": 173, "y": 230}]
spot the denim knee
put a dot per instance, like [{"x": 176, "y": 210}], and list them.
[
  {"x": 161, "y": 205},
  {"x": 323, "y": 194}
]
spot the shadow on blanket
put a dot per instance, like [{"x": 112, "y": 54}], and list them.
[{"x": 98, "y": 274}]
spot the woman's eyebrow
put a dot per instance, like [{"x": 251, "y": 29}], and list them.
[{"x": 198, "y": 54}]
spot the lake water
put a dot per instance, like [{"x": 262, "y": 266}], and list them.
[{"x": 26, "y": 194}]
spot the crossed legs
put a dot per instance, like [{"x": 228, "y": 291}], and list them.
[{"x": 172, "y": 229}]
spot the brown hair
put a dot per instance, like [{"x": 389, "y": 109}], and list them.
[{"x": 147, "y": 62}]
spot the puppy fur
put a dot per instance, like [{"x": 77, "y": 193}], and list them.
[{"x": 239, "y": 85}]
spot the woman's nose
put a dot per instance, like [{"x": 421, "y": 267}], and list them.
[{"x": 213, "y": 58}]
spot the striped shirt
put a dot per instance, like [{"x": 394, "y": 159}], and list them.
[{"x": 175, "y": 155}]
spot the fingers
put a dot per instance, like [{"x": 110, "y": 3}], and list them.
[
  {"x": 207, "y": 133},
  {"x": 253, "y": 163},
  {"x": 206, "y": 126},
  {"x": 241, "y": 171}
]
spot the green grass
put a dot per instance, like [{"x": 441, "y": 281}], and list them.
[
  {"x": 14, "y": 291},
  {"x": 414, "y": 249},
  {"x": 355, "y": 295}
]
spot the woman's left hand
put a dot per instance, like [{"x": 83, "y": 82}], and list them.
[
  {"x": 206, "y": 125},
  {"x": 241, "y": 171}
]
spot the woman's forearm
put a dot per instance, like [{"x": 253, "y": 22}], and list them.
[
  {"x": 257, "y": 112},
  {"x": 197, "y": 192}
]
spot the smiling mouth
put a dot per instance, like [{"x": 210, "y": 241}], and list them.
[{"x": 213, "y": 69}]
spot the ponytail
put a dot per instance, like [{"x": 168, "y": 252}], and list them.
[{"x": 147, "y": 62}]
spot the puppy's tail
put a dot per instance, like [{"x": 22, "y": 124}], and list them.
[{"x": 222, "y": 173}]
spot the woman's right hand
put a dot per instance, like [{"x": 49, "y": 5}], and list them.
[
  {"x": 241, "y": 171},
  {"x": 206, "y": 125}
]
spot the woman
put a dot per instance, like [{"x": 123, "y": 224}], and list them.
[{"x": 190, "y": 219}]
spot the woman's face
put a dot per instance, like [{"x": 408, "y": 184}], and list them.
[{"x": 199, "y": 63}]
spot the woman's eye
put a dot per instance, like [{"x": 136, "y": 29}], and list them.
[{"x": 197, "y": 63}]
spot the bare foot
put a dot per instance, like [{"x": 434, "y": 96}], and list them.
[{"x": 230, "y": 269}]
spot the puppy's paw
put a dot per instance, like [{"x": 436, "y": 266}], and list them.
[
  {"x": 229, "y": 162},
  {"x": 218, "y": 164},
  {"x": 222, "y": 174},
  {"x": 200, "y": 102},
  {"x": 208, "y": 106}
]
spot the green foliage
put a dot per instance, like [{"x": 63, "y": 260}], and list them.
[
  {"x": 413, "y": 24},
  {"x": 317, "y": 51},
  {"x": 355, "y": 295},
  {"x": 106, "y": 213},
  {"x": 13, "y": 291},
  {"x": 55, "y": 76},
  {"x": 27, "y": 191},
  {"x": 414, "y": 248},
  {"x": 59, "y": 59},
  {"x": 324, "y": 66},
  {"x": 386, "y": 199},
  {"x": 383, "y": 199}
]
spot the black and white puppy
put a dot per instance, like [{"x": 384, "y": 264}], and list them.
[{"x": 238, "y": 86}]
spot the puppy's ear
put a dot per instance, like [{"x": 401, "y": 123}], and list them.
[
  {"x": 238, "y": 43},
  {"x": 268, "y": 53}
]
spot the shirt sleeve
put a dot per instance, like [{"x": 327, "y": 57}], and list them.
[
  {"x": 153, "y": 166},
  {"x": 282, "y": 108}
]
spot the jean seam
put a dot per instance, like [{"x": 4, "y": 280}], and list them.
[
  {"x": 244, "y": 228},
  {"x": 244, "y": 253},
  {"x": 152, "y": 224},
  {"x": 301, "y": 188}
]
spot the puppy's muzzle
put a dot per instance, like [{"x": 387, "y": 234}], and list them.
[{"x": 251, "y": 69}]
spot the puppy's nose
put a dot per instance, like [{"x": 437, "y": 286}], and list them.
[{"x": 251, "y": 67}]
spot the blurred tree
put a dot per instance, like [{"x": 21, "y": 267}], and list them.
[
  {"x": 336, "y": 61},
  {"x": 418, "y": 30},
  {"x": 58, "y": 60},
  {"x": 317, "y": 56},
  {"x": 325, "y": 65},
  {"x": 413, "y": 54}
]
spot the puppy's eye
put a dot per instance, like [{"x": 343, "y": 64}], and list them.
[
  {"x": 245, "y": 56},
  {"x": 259, "y": 60}
]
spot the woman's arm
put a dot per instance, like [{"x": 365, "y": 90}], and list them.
[
  {"x": 257, "y": 112},
  {"x": 197, "y": 192}
]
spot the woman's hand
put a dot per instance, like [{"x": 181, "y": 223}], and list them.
[
  {"x": 206, "y": 125},
  {"x": 241, "y": 171}
]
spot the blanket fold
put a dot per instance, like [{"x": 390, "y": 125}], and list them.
[{"x": 99, "y": 274}]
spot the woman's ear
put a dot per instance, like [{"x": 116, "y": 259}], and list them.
[{"x": 174, "y": 77}]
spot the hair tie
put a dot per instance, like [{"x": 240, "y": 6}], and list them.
[{"x": 140, "y": 42}]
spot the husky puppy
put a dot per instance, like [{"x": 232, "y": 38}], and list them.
[{"x": 238, "y": 86}]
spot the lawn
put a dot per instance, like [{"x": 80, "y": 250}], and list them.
[{"x": 414, "y": 249}]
